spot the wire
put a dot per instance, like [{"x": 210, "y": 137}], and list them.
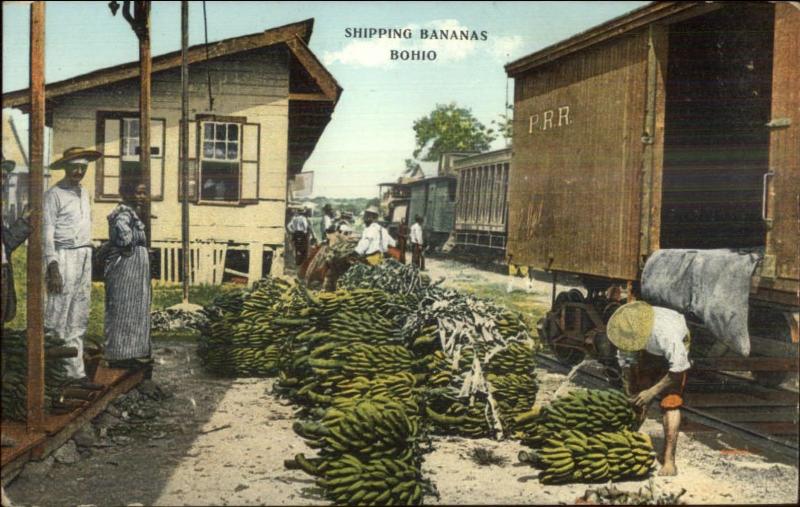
[{"x": 208, "y": 65}]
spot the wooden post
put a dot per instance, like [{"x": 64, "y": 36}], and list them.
[
  {"x": 35, "y": 300},
  {"x": 142, "y": 18},
  {"x": 185, "y": 147}
]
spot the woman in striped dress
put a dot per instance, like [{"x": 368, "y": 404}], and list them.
[{"x": 127, "y": 278}]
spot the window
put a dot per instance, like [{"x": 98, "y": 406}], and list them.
[
  {"x": 118, "y": 137},
  {"x": 219, "y": 175},
  {"x": 224, "y": 169}
]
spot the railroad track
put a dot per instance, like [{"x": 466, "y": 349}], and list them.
[{"x": 740, "y": 409}]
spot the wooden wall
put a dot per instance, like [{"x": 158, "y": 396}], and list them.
[
  {"x": 574, "y": 190},
  {"x": 254, "y": 85}
]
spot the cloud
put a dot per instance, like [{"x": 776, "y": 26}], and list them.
[{"x": 375, "y": 52}]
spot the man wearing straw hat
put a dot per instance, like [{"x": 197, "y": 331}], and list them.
[
  {"x": 375, "y": 240},
  {"x": 653, "y": 353},
  {"x": 67, "y": 229}
]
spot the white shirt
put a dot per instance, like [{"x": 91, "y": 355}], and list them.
[
  {"x": 666, "y": 340},
  {"x": 327, "y": 223},
  {"x": 67, "y": 220},
  {"x": 374, "y": 239},
  {"x": 299, "y": 223},
  {"x": 416, "y": 234}
]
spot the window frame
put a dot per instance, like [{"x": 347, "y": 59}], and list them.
[
  {"x": 200, "y": 121},
  {"x": 120, "y": 115}
]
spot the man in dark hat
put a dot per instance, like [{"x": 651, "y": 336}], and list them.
[{"x": 67, "y": 228}]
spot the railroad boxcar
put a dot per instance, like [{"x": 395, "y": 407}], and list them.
[
  {"x": 482, "y": 208},
  {"x": 673, "y": 126}
]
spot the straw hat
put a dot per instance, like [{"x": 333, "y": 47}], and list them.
[
  {"x": 372, "y": 209},
  {"x": 75, "y": 155},
  {"x": 630, "y": 326}
]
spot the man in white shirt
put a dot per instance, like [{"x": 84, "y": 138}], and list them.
[
  {"x": 67, "y": 228},
  {"x": 299, "y": 228},
  {"x": 417, "y": 244},
  {"x": 375, "y": 240},
  {"x": 653, "y": 353}
]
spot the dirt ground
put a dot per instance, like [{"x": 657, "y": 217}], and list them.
[{"x": 191, "y": 439}]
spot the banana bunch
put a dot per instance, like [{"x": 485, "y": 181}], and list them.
[
  {"x": 347, "y": 480},
  {"x": 514, "y": 394},
  {"x": 573, "y": 456},
  {"x": 586, "y": 410},
  {"x": 14, "y": 373},
  {"x": 470, "y": 421},
  {"x": 517, "y": 358},
  {"x": 399, "y": 387},
  {"x": 370, "y": 432},
  {"x": 510, "y": 325}
]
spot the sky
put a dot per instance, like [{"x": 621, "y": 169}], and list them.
[{"x": 370, "y": 134}]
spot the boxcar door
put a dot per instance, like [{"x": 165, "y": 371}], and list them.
[{"x": 781, "y": 269}]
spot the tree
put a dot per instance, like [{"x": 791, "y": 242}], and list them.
[
  {"x": 413, "y": 168},
  {"x": 505, "y": 124},
  {"x": 449, "y": 128}
]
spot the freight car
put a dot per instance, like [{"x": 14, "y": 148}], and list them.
[
  {"x": 481, "y": 210},
  {"x": 675, "y": 126}
]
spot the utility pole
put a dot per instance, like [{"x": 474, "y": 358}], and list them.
[
  {"x": 185, "y": 147},
  {"x": 139, "y": 20},
  {"x": 35, "y": 300}
]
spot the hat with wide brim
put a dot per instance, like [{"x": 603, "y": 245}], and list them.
[
  {"x": 76, "y": 154},
  {"x": 630, "y": 326},
  {"x": 372, "y": 209}
]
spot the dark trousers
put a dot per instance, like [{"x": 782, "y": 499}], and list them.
[
  {"x": 417, "y": 256},
  {"x": 401, "y": 245},
  {"x": 300, "y": 241}
]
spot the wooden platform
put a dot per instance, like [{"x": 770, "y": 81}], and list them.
[{"x": 60, "y": 428}]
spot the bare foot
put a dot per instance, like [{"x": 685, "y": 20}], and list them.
[{"x": 668, "y": 470}]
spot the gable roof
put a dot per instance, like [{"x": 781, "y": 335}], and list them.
[{"x": 295, "y": 35}]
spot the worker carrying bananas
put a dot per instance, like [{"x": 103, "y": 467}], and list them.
[
  {"x": 653, "y": 352},
  {"x": 375, "y": 239}
]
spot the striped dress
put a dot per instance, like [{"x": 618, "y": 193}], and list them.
[{"x": 128, "y": 293}]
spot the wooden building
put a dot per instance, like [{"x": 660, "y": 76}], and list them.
[
  {"x": 271, "y": 101},
  {"x": 482, "y": 208}
]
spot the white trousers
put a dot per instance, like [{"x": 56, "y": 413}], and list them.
[{"x": 67, "y": 314}]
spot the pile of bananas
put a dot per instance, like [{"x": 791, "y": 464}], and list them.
[
  {"x": 574, "y": 456},
  {"x": 15, "y": 367},
  {"x": 587, "y": 410}
]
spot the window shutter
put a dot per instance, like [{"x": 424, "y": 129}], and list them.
[
  {"x": 193, "y": 195},
  {"x": 108, "y": 166},
  {"x": 157, "y": 160},
  {"x": 248, "y": 180}
]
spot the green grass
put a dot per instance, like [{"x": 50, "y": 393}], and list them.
[{"x": 163, "y": 297}]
